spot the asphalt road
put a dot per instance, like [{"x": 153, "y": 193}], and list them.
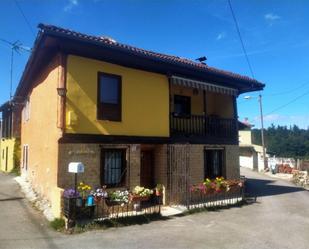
[{"x": 279, "y": 219}]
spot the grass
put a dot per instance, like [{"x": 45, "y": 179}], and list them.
[
  {"x": 15, "y": 171},
  {"x": 58, "y": 224}
]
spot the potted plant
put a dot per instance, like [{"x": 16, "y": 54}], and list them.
[
  {"x": 118, "y": 197},
  {"x": 141, "y": 194},
  {"x": 84, "y": 190},
  {"x": 99, "y": 194},
  {"x": 70, "y": 202},
  {"x": 159, "y": 189}
]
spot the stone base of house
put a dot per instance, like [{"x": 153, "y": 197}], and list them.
[{"x": 172, "y": 165}]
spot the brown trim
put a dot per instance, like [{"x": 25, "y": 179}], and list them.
[
  {"x": 118, "y": 139},
  {"x": 116, "y": 109},
  {"x": 205, "y": 103},
  {"x": 111, "y": 139},
  {"x": 236, "y": 117}
]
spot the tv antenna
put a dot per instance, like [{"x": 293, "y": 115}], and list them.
[{"x": 18, "y": 48}]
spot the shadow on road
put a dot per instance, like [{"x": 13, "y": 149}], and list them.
[{"x": 259, "y": 188}]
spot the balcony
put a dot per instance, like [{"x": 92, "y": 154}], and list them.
[{"x": 203, "y": 128}]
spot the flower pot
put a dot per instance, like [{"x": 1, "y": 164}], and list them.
[
  {"x": 110, "y": 202},
  {"x": 136, "y": 198}
]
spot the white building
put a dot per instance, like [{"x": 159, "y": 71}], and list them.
[{"x": 250, "y": 155}]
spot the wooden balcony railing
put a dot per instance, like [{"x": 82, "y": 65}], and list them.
[{"x": 203, "y": 126}]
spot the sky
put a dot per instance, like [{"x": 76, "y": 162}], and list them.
[{"x": 275, "y": 35}]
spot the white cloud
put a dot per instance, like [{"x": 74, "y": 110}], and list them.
[
  {"x": 271, "y": 17},
  {"x": 71, "y": 4},
  {"x": 220, "y": 36}
]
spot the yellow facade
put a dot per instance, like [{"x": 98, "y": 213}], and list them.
[
  {"x": 40, "y": 134},
  {"x": 145, "y": 100},
  {"x": 219, "y": 105},
  {"x": 7, "y": 154}
]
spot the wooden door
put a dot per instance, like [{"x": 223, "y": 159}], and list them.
[{"x": 147, "y": 179}]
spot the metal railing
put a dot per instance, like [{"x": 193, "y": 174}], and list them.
[
  {"x": 106, "y": 209},
  {"x": 216, "y": 199},
  {"x": 203, "y": 125}
]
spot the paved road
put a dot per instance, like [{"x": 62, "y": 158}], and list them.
[{"x": 279, "y": 219}]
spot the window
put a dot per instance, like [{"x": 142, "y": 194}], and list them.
[
  {"x": 182, "y": 105},
  {"x": 109, "y": 97},
  {"x": 26, "y": 111},
  {"x": 25, "y": 157},
  {"x": 213, "y": 163},
  {"x": 113, "y": 167},
  {"x": 7, "y": 124}
]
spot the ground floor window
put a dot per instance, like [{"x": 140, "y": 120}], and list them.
[
  {"x": 213, "y": 163},
  {"x": 25, "y": 156},
  {"x": 113, "y": 171}
]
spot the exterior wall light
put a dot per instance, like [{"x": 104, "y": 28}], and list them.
[{"x": 62, "y": 91}]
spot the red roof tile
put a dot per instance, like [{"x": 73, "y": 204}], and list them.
[{"x": 151, "y": 54}]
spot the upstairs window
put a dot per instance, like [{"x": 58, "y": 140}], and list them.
[
  {"x": 182, "y": 105},
  {"x": 109, "y": 97}
]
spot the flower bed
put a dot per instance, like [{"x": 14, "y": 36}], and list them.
[
  {"x": 105, "y": 202},
  {"x": 215, "y": 190}
]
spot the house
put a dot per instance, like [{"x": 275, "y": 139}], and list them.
[
  {"x": 131, "y": 116},
  {"x": 250, "y": 155},
  {"x": 9, "y": 137}
]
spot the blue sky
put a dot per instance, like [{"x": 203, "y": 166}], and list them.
[{"x": 275, "y": 34}]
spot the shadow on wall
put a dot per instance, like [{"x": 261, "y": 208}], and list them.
[{"x": 259, "y": 188}]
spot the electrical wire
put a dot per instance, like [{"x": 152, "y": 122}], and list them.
[
  {"x": 25, "y": 18},
  {"x": 241, "y": 40},
  {"x": 288, "y": 103}
]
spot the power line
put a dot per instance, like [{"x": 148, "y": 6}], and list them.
[
  {"x": 288, "y": 103},
  {"x": 241, "y": 40},
  {"x": 25, "y": 18},
  {"x": 287, "y": 91}
]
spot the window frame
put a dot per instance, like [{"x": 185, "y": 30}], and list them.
[
  {"x": 115, "y": 110},
  {"x": 207, "y": 172},
  {"x": 123, "y": 173},
  {"x": 189, "y": 102},
  {"x": 25, "y": 160}
]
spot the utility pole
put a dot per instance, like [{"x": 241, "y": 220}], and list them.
[{"x": 262, "y": 133}]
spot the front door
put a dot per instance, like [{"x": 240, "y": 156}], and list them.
[{"x": 147, "y": 169}]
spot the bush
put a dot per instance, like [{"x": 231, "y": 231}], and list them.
[
  {"x": 58, "y": 224},
  {"x": 16, "y": 157}
]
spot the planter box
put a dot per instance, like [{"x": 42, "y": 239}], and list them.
[
  {"x": 110, "y": 202},
  {"x": 70, "y": 207},
  {"x": 137, "y": 198}
]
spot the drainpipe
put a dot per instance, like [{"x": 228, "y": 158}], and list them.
[{"x": 62, "y": 90}]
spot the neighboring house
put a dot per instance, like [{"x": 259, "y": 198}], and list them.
[
  {"x": 250, "y": 155},
  {"x": 10, "y": 132},
  {"x": 132, "y": 116}
]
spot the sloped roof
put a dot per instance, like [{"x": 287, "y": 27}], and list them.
[
  {"x": 112, "y": 43},
  {"x": 53, "y": 38}
]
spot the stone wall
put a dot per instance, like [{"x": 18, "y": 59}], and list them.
[{"x": 90, "y": 156}]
